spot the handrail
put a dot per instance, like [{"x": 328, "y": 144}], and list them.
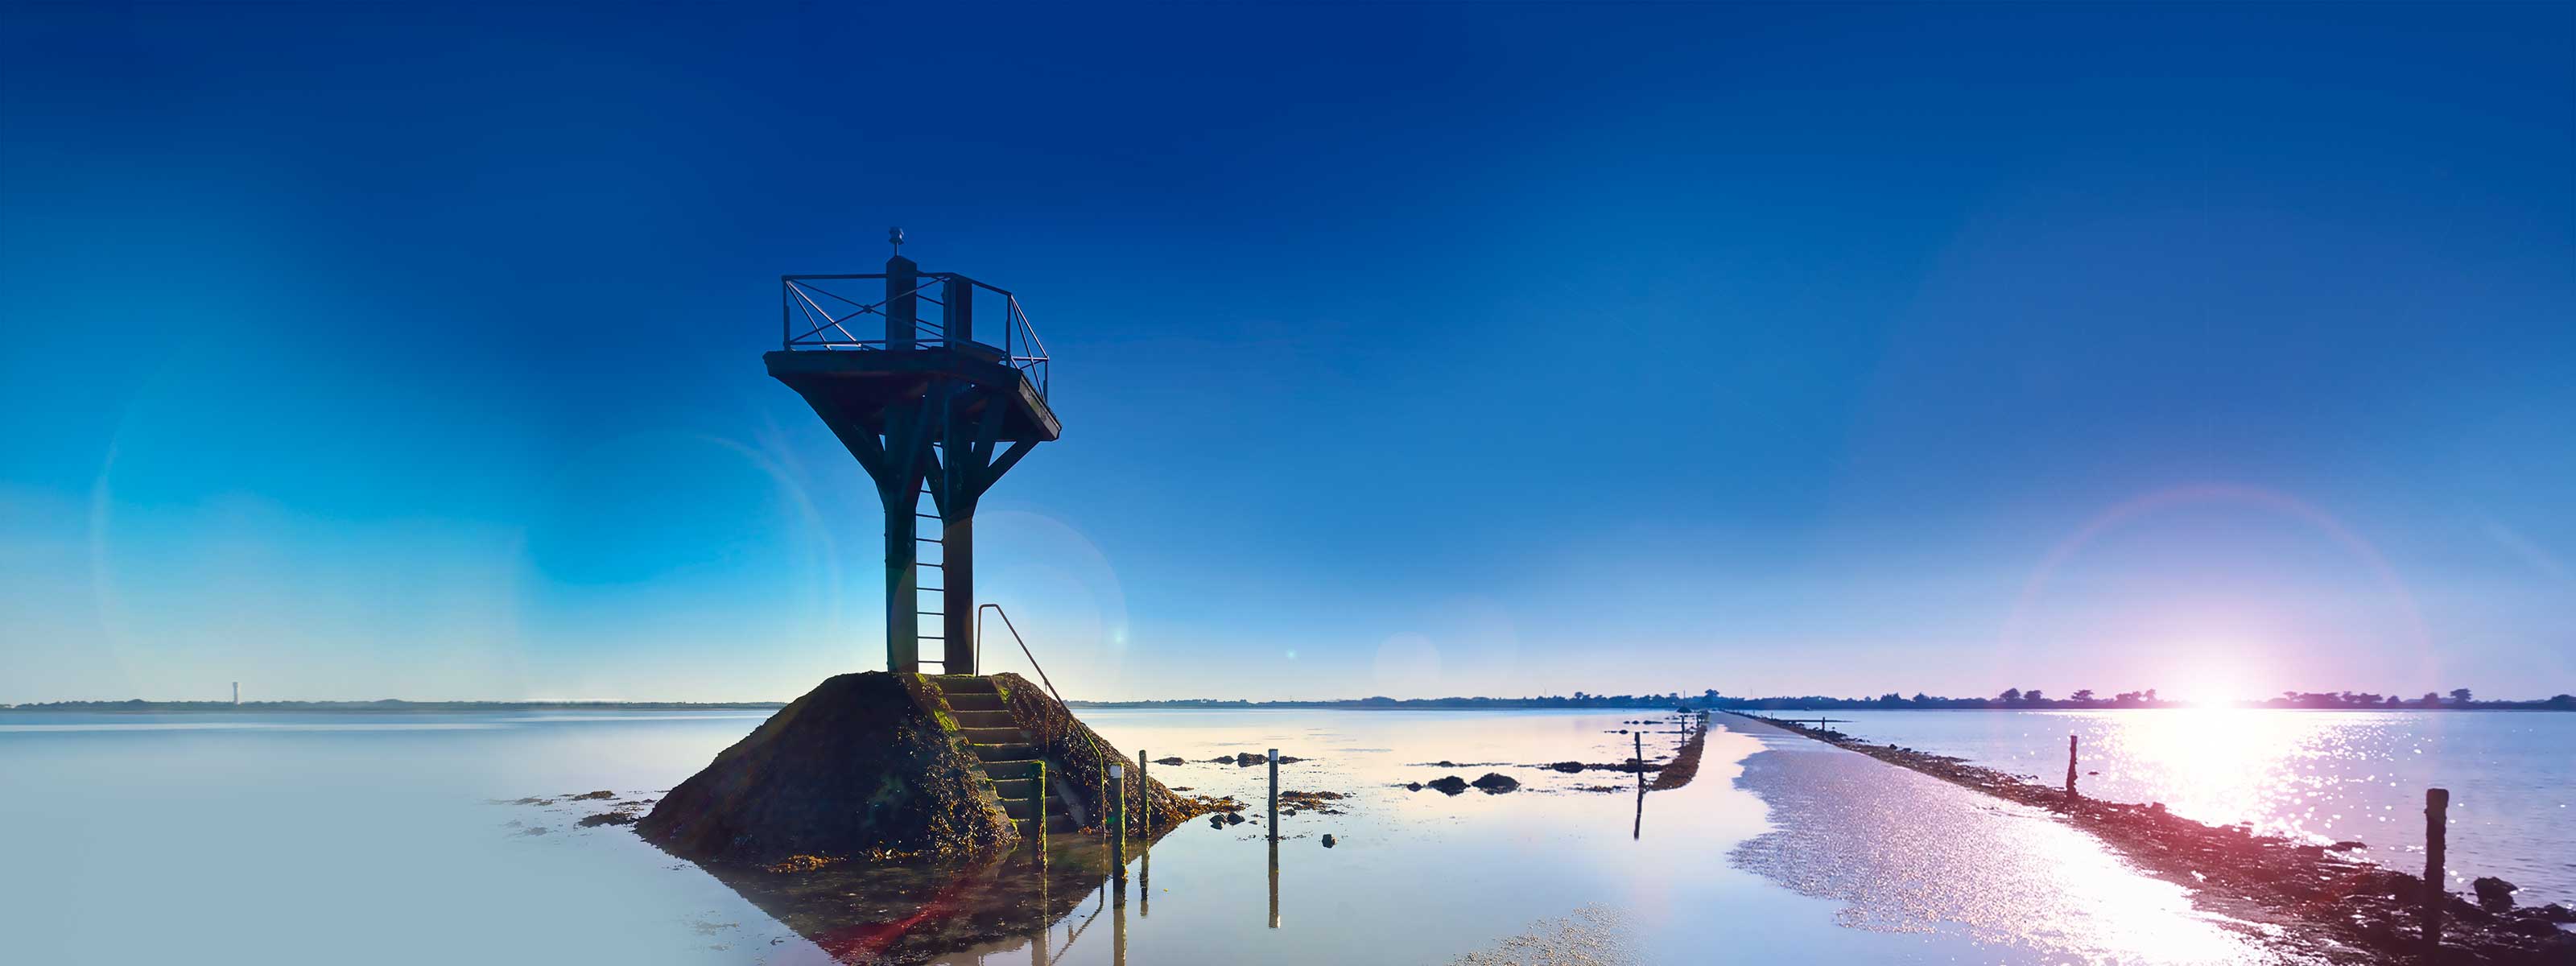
[
  {"x": 1107, "y": 760},
  {"x": 1015, "y": 635}
]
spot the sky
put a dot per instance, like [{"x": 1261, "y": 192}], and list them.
[{"x": 401, "y": 350}]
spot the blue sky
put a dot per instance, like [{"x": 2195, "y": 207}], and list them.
[{"x": 1410, "y": 350}]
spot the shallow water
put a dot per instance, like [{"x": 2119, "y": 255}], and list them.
[
  {"x": 326, "y": 838},
  {"x": 2323, "y": 776}
]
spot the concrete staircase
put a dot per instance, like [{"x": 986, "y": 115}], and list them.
[{"x": 1010, "y": 761}]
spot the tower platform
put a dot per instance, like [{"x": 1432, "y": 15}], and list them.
[{"x": 861, "y": 388}]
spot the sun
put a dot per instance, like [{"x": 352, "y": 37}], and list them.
[{"x": 2208, "y": 683}]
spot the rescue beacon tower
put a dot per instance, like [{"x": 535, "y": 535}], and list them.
[{"x": 930, "y": 410}]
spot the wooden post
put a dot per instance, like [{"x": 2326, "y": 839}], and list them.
[
  {"x": 1118, "y": 824},
  {"x": 1042, "y": 810},
  {"x": 1144, "y": 796},
  {"x": 2070, "y": 768},
  {"x": 2437, "y": 804}
]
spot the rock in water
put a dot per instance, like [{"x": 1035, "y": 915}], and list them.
[
  {"x": 2494, "y": 894},
  {"x": 859, "y": 765},
  {"x": 873, "y": 765},
  {"x": 1448, "y": 784},
  {"x": 1496, "y": 783}
]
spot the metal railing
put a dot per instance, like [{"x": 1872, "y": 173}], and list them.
[
  {"x": 1015, "y": 636},
  {"x": 1107, "y": 760},
  {"x": 814, "y": 316}
]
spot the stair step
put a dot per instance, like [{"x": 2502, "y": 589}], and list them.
[
  {"x": 971, "y": 701},
  {"x": 964, "y": 684},
  {"x": 985, "y": 719},
  {"x": 1015, "y": 788},
  {"x": 1010, "y": 752},
  {"x": 1002, "y": 771},
  {"x": 1020, "y": 807},
  {"x": 994, "y": 736}
]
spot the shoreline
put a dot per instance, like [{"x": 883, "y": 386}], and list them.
[
  {"x": 2327, "y": 904},
  {"x": 1744, "y": 707}
]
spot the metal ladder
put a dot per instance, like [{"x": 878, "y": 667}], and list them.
[{"x": 938, "y": 612}]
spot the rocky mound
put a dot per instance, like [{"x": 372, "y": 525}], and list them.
[{"x": 861, "y": 766}]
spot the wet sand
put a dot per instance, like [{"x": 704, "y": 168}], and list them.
[
  {"x": 1905, "y": 852},
  {"x": 2304, "y": 902}
]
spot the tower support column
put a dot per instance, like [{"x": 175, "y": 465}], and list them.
[{"x": 957, "y": 595}]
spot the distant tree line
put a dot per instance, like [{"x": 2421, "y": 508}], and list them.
[
  {"x": 2087, "y": 699},
  {"x": 2010, "y": 699},
  {"x": 387, "y": 705}
]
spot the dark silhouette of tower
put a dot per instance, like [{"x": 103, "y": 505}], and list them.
[{"x": 932, "y": 409}]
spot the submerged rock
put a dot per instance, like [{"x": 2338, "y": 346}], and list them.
[
  {"x": 799, "y": 863},
  {"x": 1567, "y": 766},
  {"x": 1173, "y": 760},
  {"x": 1449, "y": 784},
  {"x": 1292, "y": 802},
  {"x": 1328, "y": 840},
  {"x": 1496, "y": 783}
]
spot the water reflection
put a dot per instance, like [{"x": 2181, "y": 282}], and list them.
[{"x": 915, "y": 913}]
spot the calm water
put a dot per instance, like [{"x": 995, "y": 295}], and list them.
[
  {"x": 332, "y": 838},
  {"x": 2323, "y": 776}
]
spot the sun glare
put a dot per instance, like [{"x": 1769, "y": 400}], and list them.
[{"x": 2208, "y": 684}]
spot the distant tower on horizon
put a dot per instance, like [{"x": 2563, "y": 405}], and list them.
[
  {"x": 929, "y": 410},
  {"x": 236, "y": 692}
]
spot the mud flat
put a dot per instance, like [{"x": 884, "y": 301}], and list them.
[{"x": 2303, "y": 901}]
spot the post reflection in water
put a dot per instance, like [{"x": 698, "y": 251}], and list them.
[
  {"x": 1274, "y": 882},
  {"x": 1038, "y": 942},
  {"x": 1118, "y": 922}
]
